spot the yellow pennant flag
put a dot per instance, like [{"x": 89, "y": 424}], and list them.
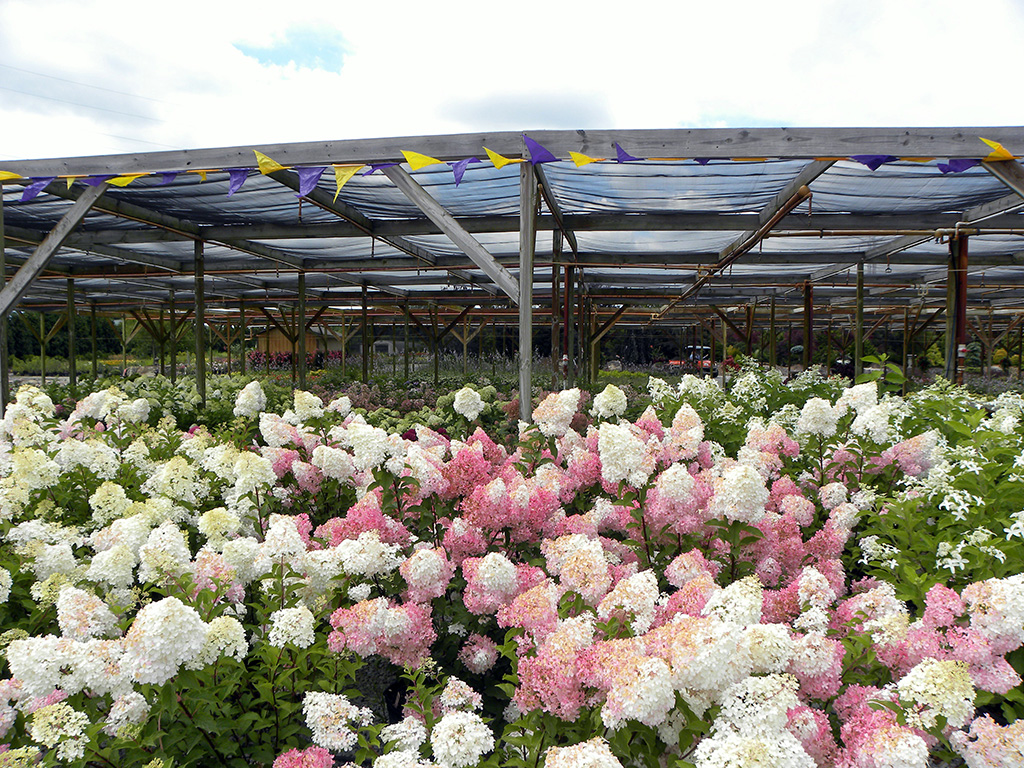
[
  {"x": 202, "y": 174},
  {"x": 999, "y": 152},
  {"x": 580, "y": 159},
  {"x": 342, "y": 174},
  {"x": 266, "y": 164},
  {"x": 417, "y": 161},
  {"x": 124, "y": 181},
  {"x": 7, "y": 175},
  {"x": 499, "y": 160},
  {"x": 70, "y": 180}
]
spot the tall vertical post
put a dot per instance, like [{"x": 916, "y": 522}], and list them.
[
  {"x": 72, "y": 362},
  {"x": 405, "y": 342},
  {"x": 42, "y": 350},
  {"x": 556, "y": 309},
  {"x": 858, "y": 325},
  {"x": 5, "y": 381},
  {"x": 750, "y": 329},
  {"x": 199, "y": 269},
  {"x": 1020, "y": 350},
  {"x": 570, "y": 326},
  {"x": 808, "y": 324},
  {"x": 92, "y": 334},
  {"x": 959, "y": 246},
  {"x": 527, "y": 244},
  {"x": 243, "y": 362},
  {"x": 828, "y": 345},
  {"x": 174, "y": 335},
  {"x": 295, "y": 352},
  {"x": 725, "y": 347},
  {"x": 366, "y": 343},
  {"x": 162, "y": 343},
  {"x": 906, "y": 347},
  {"x": 300, "y": 331},
  {"x": 773, "y": 348}
]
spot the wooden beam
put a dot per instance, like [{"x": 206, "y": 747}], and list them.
[
  {"x": 951, "y": 142},
  {"x": 446, "y": 222},
  {"x": 19, "y": 284},
  {"x": 556, "y": 210},
  {"x": 609, "y": 324},
  {"x": 807, "y": 174},
  {"x": 1010, "y": 173}
]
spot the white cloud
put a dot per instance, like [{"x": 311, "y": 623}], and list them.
[{"x": 174, "y": 76}]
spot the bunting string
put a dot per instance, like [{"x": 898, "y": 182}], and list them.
[{"x": 535, "y": 154}]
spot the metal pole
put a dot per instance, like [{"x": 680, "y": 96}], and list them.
[
  {"x": 570, "y": 325},
  {"x": 300, "y": 331},
  {"x": 808, "y": 324},
  {"x": 242, "y": 336},
  {"x": 72, "y": 362},
  {"x": 174, "y": 337},
  {"x": 5, "y": 380},
  {"x": 961, "y": 306},
  {"x": 556, "y": 307},
  {"x": 200, "y": 320},
  {"x": 858, "y": 325},
  {"x": 527, "y": 243},
  {"x": 773, "y": 356}
]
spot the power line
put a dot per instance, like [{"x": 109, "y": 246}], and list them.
[
  {"x": 79, "y": 104},
  {"x": 86, "y": 85}
]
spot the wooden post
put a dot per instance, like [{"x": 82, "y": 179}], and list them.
[
  {"x": 750, "y": 329},
  {"x": 1020, "y": 350},
  {"x": 714, "y": 343},
  {"x": 366, "y": 345},
  {"x": 789, "y": 348},
  {"x": 92, "y": 334},
  {"x": 72, "y": 362},
  {"x": 5, "y": 378},
  {"x": 200, "y": 320},
  {"x": 295, "y": 360},
  {"x": 828, "y": 345},
  {"x": 808, "y": 324},
  {"x": 773, "y": 352},
  {"x": 344, "y": 345},
  {"x": 405, "y": 342},
  {"x": 858, "y": 325},
  {"x": 301, "y": 330},
  {"x": 124, "y": 345},
  {"x": 527, "y": 243}
]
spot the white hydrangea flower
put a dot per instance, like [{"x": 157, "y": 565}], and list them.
[
  {"x": 340, "y": 405},
  {"x": 939, "y": 689},
  {"x": 307, "y": 406},
  {"x": 588, "y": 754},
  {"x": 468, "y": 403},
  {"x": 740, "y": 494},
  {"x": 164, "y": 636},
  {"x": 250, "y": 400},
  {"x": 82, "y": 615},
  {"x": 817, "y": 417},
  {"x": 460, "y": 740},
  {"x": 292, "y": 625},
  {"x": 60, "y": 726},
  {"x": 609, "y": 403},
  {"x": 333, "y": 462},
  {"x": 739, "y": 603},
  {"x": 225, "y": 638},
  {"x": 332, "y": 718},
  {"x": 128, "y": 709}
]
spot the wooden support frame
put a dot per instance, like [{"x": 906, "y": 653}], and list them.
[
  {"x": 447, "y": 224},
  {"x": 523, "y": 294}
]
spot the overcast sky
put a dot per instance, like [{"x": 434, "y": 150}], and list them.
[{"x": 92, "y": 77}]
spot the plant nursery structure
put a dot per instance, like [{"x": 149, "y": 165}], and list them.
[{"x": 694, "y": 231}]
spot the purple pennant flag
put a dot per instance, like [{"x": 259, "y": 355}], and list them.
[
  {"x": 95, "y": 181},
  {"x": 236, "y": 178},
  {"x": 622, "y": 156},
  {"x": 957, "y": 165},
  {"x": 874, "y": 162},
  {"x": 459, "y": 168},
  {"x": 35, "y": 188},
  {"x": 702, "y": 160},
  {"x": 308, "y": 179},
  {"x": 538, "y": 154},
  {"x": 377, "y": 167},
  {"x": 168, "y": 176}
]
